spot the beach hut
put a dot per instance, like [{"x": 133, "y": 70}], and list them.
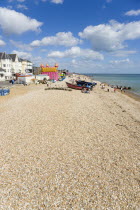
[
  {"x": 30, "y": 78},
  {"x": 25, "y": 79},
  {"x": 52, "y": 72}
]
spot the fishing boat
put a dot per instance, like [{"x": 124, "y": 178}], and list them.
[
  {"x": 82, "y": 82},
  {"x": 77, "y": 87}
]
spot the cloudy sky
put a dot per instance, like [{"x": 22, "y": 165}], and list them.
[{"x": 85, "y": 36}]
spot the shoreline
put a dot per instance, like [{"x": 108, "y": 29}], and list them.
[
  {"x": 133, "y": 95},
  {"x": 130, "y": 92}
]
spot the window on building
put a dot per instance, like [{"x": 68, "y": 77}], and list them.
[{"x": 4, "y": 65}]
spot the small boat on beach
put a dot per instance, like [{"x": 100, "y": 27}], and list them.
[
  {"x": 78, "y": 87},
  {"x": 73, "y": 86},
  {"x": 82, "y": 82}
]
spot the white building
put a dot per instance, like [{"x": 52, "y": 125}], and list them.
[
  {"x": 6, "y": 64},
  {"x": 11, "y": 65},
  {"x": 16, "y": 64},
  {"x": 27, "y": 66},
  {"x": 2, "y": 74}
]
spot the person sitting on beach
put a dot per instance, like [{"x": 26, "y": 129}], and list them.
[
  {"x": 88, "y": 90},
  {"x": 85, "y": 90},
  {"x": 102, "y": 86}
]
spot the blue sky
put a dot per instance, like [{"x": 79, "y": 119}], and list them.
[{"x": 85, "y": 36}]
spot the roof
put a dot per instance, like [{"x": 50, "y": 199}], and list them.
[
  {"x": 29, "y": 61},
  {"x": 13, "y": 56},
  {"x": 4, "y": 56},
  {"x": 21, "y": 60}
]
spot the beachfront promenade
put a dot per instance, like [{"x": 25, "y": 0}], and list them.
[{"x": 69, "y": 150}]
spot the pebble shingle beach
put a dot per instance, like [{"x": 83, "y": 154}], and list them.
[{"x": 69, "y": 150}]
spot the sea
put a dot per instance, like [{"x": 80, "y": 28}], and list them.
[{"x": 128, "y": 80}]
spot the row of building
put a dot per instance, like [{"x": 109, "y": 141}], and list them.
[{"x": 10, "y": 64}]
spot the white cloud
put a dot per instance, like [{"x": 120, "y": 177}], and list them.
[
  {"x": 2, "y": 43},
  {"x": 53, "y": 1},
  {"x": 20, "y": 45},
  {"x": 110, "y": 37},
  {"x": 61, "y": 38},
  {"x": 23, "y": 55},
  {"x": 22, "y": 6},
  {"x": 43, "y": 50},
  {"x": 120, "y": 61},
  {"x": 124, "y": 53},
  {"x": 133, "y": 12},
  {"x": 37, "y": 60},
  {"x": 57, "y": 1},
  {"x": 74, "y": 61},
  {"x": 81, "y": 65},
  {"x": 75, "y": 52},
  {"x": 13, "y": 22}
]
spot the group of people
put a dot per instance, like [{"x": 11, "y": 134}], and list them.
[{"x": 114, "y": 88}]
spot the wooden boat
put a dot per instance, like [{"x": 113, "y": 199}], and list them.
[
  {"x": 77, "y": 87},
  {"x": 82, "y": 82}
]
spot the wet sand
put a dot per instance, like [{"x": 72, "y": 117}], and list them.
[{"x": 132, "y": 95}]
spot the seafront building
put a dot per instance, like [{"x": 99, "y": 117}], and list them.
[
  {"x": 5, "y": 66},
  {"x": 10, "y": 64},
  {"x": 26, "y": 66}
]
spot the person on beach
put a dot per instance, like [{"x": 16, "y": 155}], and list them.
[
  {"x": 114, "y": 90},
  {"x": 85, "y": 90},
  {"x": 102, "y": 86},
  {"x": 13, "y": 81}
]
